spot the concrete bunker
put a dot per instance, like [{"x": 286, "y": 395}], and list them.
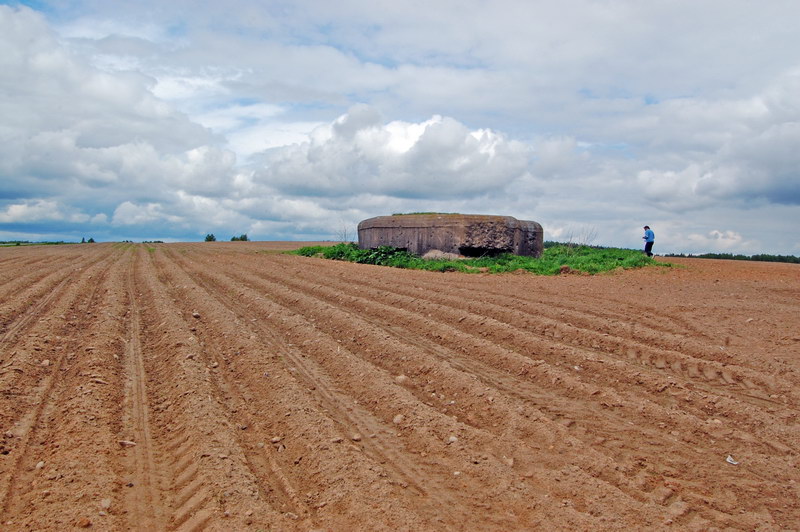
[{"x": 470, "y": 235}]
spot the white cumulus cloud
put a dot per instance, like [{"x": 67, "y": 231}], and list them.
[{"x": 360, "y": 154}]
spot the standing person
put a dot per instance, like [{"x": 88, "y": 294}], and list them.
[{"x": 649, "y": 238}]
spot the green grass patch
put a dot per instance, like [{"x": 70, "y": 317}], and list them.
[
  {"x": 416, "y": 213},
  {"x": 554, "y": 260}
]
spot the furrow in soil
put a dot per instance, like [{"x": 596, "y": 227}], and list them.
[
  {"x": 508, "y": 384},
  {"x": 503, "y": 456},
  {"x": 65, "y": 391},
  {"x": 355, "y": 423}
]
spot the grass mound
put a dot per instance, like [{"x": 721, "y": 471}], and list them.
[{"x": 555, "y": 259}]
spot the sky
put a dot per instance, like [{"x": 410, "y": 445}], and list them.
[{"x": 294, "y": 120}]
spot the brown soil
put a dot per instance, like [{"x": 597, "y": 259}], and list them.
[{"x": 227, "y": 386}]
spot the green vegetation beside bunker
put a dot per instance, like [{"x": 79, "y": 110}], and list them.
[{"x": 556, "y": 259}]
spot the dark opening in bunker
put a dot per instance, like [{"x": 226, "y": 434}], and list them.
[{"x": 481, "y": 252}]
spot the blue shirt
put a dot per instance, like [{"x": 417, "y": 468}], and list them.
[{"x": 649, "y": 236}]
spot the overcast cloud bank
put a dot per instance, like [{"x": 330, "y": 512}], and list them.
[{"x": 295, "y": 120}]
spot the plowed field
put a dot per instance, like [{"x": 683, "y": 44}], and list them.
[{"x": 226, "y": 386}]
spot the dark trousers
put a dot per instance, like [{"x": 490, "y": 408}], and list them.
[{"x": 648, "y": 248}]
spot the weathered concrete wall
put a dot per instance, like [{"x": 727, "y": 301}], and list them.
[{"x": 464, "y": 234}]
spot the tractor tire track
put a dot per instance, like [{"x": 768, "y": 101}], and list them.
[
  {"x": 145, "y": 500},
  {"x": 678, "y": 356},
  {"x": 187, "y": 439},
  {"x": 706, "y": 377},
  {"x": 354, "y": 420},
  {"x": 284, "y": 289},
  {"x": 290, "y": 299},
  {"x": 279, "y": 493}
]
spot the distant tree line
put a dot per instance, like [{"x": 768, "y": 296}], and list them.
[
  {"x": 29, "y": 243},
  {"x": 730, "y": 256},
  {"x": 241, "y": 238}
]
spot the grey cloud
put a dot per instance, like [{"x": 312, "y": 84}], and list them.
[
  {"x": 359, "y": 117},
  {"x": 748, "y": 154}
]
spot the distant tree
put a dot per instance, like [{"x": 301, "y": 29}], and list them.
[
  {"x": 240, "y": 238},
  {"x": 90, "y": 241},
  {"x": 83, "y": 240},
  {"x": 345, "y": 232},
  {"x": 210, "y": 237}
]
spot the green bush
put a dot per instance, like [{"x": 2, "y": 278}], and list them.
[{"x": 554, "y": 260}]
